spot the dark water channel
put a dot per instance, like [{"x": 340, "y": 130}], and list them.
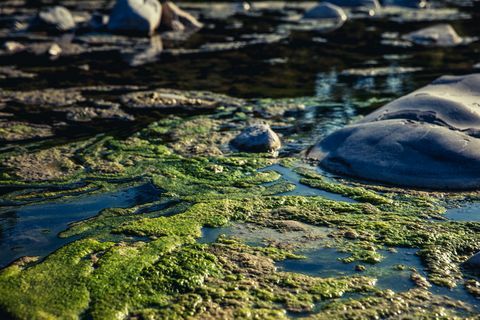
[{"x": 32, "y": 230}]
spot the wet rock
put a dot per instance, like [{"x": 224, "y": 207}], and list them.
[
  {"x": 257, "y": 138},
  {"x": 57, "y": 18},
  {"x": 427, "y": 139},
  {"x": 136, "y": 16},
  {"x": 44, "y": 98},
  {"x": 86, "y": 114},
  {"x": 442, "y": 35},
  {"x": 374, "y": 4},
  {"x": 174, "y": 18},
  {"x": 473, "y": 263},
  {"x": 13, "y": 47},
  {"x": 176, "y": 99},
  {"x": 16, "y": 131},
  {"x": 379, "y": 71},
  {"x": 98, "y": 21},
  {"x": 419, "y": 280},
  {"x": 407, "y": 3},
  {"x": 50, "y": 164},
  {"x": 360, "y": 268},
  {"x": 7, "y": 72},
  {"x": 326, "y": 10}
]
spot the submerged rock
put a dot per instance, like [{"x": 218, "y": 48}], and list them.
[
  {"x": 442, "y": 35},
  {"x": 257, "y": 138},
  {"x": 138, "y": 16},
  {"x": 326, "y": 10},
  {"x": 428, "y": 139},
  {"x": 57, "y": 18}
]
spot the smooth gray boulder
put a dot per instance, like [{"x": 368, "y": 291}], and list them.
[
  {"x": 326, "y": 10},
  {"x": 135, "y": 16},
  {"x": 56, "y": 18},
  {"x": 429, "y": 138},
  {"x": 441, "y": 35},
  {"x": 473, "y": 263},
  {"x": 257, "y": 138}
]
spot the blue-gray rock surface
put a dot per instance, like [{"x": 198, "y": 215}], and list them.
[
  {"x": 257, "y": 138},
  {"x": 136, "y": 16},
  {"x": 440, "y": 35},
  {"x": 56, "y": 18},
  {"x": 429, "y": 138},
  {"x": 326, "y": 10}
]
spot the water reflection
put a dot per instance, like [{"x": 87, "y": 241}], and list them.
[{"x": 33, "y": 229}]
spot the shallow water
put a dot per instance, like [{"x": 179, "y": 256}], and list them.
[
  {"x": 324, "y": 262},
  {"x": 32, "y": 230},
  {"x": 468, "y": 212},
  {"x": 301, "y": 189},
  {"x": 337, "y": 76}
]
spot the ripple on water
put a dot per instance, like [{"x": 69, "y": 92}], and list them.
[{"x": 32, "y": 230}]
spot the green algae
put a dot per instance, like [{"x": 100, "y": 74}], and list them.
[
  {"x": 135, "y": 262},
  {"x": 55, "y": 288}
]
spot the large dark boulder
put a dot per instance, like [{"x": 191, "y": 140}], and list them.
[
  {"x": 428, "y": 139},
  {"x": 135, "y": 16}
]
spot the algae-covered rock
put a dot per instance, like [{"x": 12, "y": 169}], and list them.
[
  {"x": 427, "y": 139},
  {"x": 169, "y": 99},
  {"x": 15, "y": 131},
  {"x": 257, "y": 138}
]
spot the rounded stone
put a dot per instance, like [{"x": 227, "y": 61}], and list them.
[
  {"x": 135, "y": 16},
  {"x": 473, "y": 263},
  {"x": 56, "y": 18},
  {"x": 257, "y": 138},
  {"x": 441, "y": 35},
  {"x": 326, "y": 10},
  {"x": 427, "y": 139}
]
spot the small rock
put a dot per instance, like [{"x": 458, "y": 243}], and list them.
[
  {"x": 442, "y": 35},
  {"x": 174, "y": 18},
  {"x": 138, "y": 16},
  {"x": 54, "y": 50},
  {"x": 350, "y": 235},
  {"x": 13, "y": 46},
  {"x": 257, "y": 138},
  {"x": 326, "y": 10},
  {"x": 57, "y": 18},
  {"x": 360, "y": 267},
  {"x": 419, "y": 280},
  {"x": 290, "y": 225}
]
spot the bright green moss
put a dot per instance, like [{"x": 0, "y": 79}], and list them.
[{"x": 55, "y": 288}]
